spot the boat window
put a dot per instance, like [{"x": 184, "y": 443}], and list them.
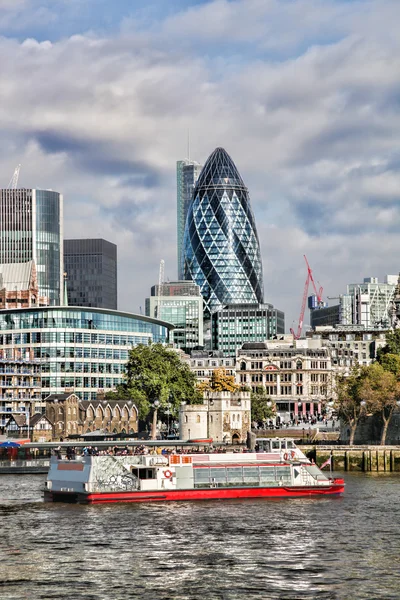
[
  {"x": 201, "y": 476},
  {"x": 283, "y": 474},
  {"x": 267, "y": 474},
  {"x": 218, "y": 474},
  {"x": 144, "y": 473},
  {"x": 290, "y": 444},
  {"x": 250, "y": 475},
  {"x": 234, "y": 474},
  {"x": 275, "y": 445},
  {"x": 264, "y": 445},
  {"x": 283, "y": 444}
]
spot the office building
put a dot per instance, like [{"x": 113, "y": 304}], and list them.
[
  {"x": 298, "y": 376},
  {"x": 369, "y": 304},
  {"x": 84, "y": 350},
  {"x": 91, "y": 273},
  {"x": 179, "y": 303},
  {"x": 187, "y": 173},
  {"x": 234, "y": 325},
  {"x": 221, "y": 248},
  {"x": 31, "y": 228}
]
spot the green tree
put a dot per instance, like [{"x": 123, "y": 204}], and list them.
[
  {"x": 348, "y": 400},
  {"x": 380, "y": 388},
  {"x": 390, "y": 362},
  {"x": 392, "y": 344},
  {"x": 262, "y": 407},
  {"x": 154, "y": 372}
]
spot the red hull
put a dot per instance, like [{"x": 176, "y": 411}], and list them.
[{"x": 337, "y": 487}]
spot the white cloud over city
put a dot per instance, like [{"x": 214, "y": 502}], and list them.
[{"x": 304, "y": 95}]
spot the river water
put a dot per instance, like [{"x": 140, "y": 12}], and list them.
[{"x": 344, "y": 548}]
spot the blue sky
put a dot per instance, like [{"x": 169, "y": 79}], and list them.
[{"x": 97, "y": 98}]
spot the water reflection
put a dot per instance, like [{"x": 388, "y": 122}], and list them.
[{"x": 324, "y": 548}]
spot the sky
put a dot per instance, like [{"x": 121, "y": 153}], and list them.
[{"x": 97, "y": 99}]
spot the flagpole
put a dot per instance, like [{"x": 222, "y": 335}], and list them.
[{"x": 330, "y": 464}]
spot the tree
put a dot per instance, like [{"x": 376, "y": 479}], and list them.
[
  {"x": 154, "y": 372},
  {"x": 220, "y": 382},
  {"x": 262, "y": 407},
  {"x": 380, "y": 388},
  {"x": 392, "y": 344},
  {"x": 390, "y": 362},
  {"x": 349, "y": 398}
]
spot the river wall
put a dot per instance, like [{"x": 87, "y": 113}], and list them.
[{"x": 357, "y": 458}]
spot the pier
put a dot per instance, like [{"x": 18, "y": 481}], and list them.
[{"x": 357, "y": 458}]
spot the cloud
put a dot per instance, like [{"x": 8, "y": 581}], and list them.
[{"x": 304, "y": 95}]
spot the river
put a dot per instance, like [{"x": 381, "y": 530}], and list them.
[{"x": 344, "y": 548}]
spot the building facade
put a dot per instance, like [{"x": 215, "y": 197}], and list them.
[
  {"x": 19, "y": 287},
  {"x": 234, "y": 325},
  {"x": 221, "y": 248},
  {"x": 91, "y": 273},
  {"x": 179, "y": 303},
  {"x": 299, "y": 379},
  {"x": 349, "y": 345},
  {"x": 71, "y": 416},
  {"x": 224, "y": 417},
  {"x": 80, "y": 349},
  {"x": 31, "y": 228},
  {"x": 203, "y": 363},
  {"x": 187, "y": 173},
  {"x": 368, "y": 304},
  {"x": 20, "y": 385}
]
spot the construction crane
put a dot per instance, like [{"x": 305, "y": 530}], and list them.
[
  {"x": 318, "y": 294},
  {"x": 159, "y": 291},
  {"x": 14, "y": 179}
]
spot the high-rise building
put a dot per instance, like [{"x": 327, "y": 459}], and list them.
[
  {"x": 368, "y": 304},
  {"x": 179, "y": 303},
  {"x": 91, "y": 272},
  {"x": 31, "y": 228},
  {"x": 238, "y": 324},
  {"x": 187, "y": 173},
  {"x": 221, "y": 247}
]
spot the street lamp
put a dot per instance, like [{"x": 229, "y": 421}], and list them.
[{"x": 156, "y": 404}]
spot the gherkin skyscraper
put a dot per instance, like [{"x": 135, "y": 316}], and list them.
[{"x": 221, "y": 251}]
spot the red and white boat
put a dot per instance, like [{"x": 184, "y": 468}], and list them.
[{"x": 279, "y": 470}]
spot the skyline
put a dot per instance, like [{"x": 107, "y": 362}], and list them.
[{"x": 303, "y": 94}]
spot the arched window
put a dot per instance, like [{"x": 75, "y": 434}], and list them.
[
  {"x": 243, "y": 366},
  {"x": 99, "y": 412},
  {"x": 186, "y": 419},
  {"x": 117, "y": 413},
  {"x": 198, "y": 419},
  {"x": 125, "y": 414},
  {"x": 299, "y": 364}
]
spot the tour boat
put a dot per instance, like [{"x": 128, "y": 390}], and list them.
[{"x": 277, "y": 469}]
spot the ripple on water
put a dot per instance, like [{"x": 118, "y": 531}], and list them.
[{"x": 325, "y": 548}]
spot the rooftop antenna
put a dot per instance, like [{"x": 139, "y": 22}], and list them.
[{"x": 14, "y": 179}]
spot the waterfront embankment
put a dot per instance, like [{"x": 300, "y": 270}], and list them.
[{"x": 357, "y": 458}]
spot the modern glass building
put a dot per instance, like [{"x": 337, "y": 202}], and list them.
[
  {"x": 238, "y": 324},
  {"x": 180, "y": 303},
  {"x": 31, "y": 228},
  {"x": 221, "y": 251},
  {"x": 187, "y": 173},
  {"x": 80, "y": 350},
  {"x": 91, "y": 273}
]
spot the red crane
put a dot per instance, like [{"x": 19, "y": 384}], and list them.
[{"x": 318, "y": 294}]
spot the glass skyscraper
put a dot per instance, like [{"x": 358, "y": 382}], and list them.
[
  {"x": 221, "y": 251},
  {"x": 187, "y": 173},
  {"x": 31, "y": 228},
  {"x": 91, "y": 272}
]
